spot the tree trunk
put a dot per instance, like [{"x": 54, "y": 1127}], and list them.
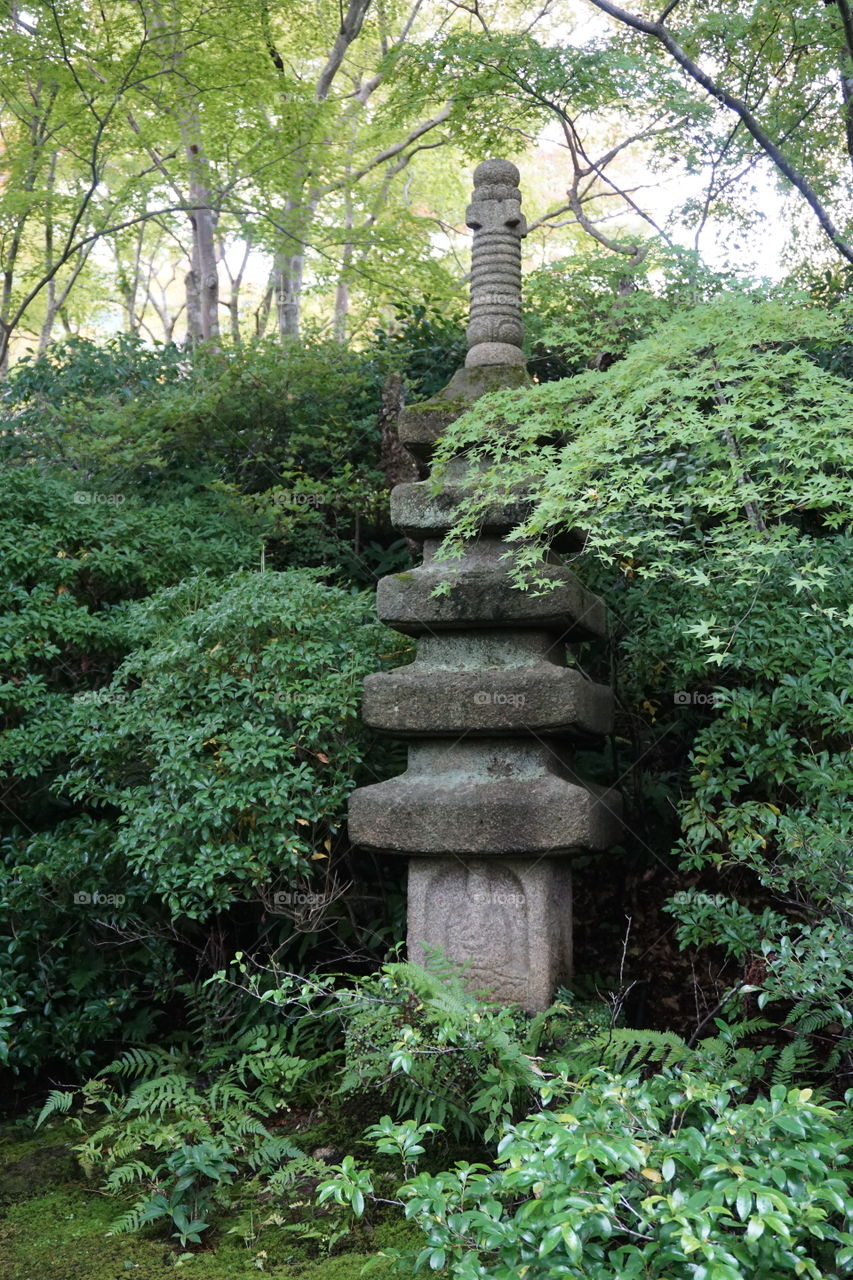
[
  {"x": 203, "y": 279},
  {"x": 289, "y": 272},
  {"x": 235, "y": 281},
  {"x": 129, "y": 282},
  {"x": 203, "y": 222},
  {"x": 342, "y": 302},
  {"x": 262, "y": 314},
  {"x": 192, "y": 281},
  {"x": 342, "y": 290}
]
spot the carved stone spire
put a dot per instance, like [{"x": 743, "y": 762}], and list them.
[
  {"x": 495, "y": 332},
  {"x": 490, "y": 811}
]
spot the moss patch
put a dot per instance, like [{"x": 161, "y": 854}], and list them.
[
  {"x": 29, "y": 1165},
  {"x": 56, "y": 1227}
]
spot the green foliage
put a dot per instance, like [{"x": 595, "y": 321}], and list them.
[
  {"x": 426, "y": 342},
  {"x": 181, "y": 1129},
  {"x": 566, "y": 1020},
  {"x": 422, "y": 1042},
  {"x": 285, "y": 441},
  {"x": 677, "y": 1175},
  {"x": 70, "y": 554},
  {"x": 134, "y": 415},
  {"x": 586, "y": 310},
  {"x": 209, "y": 775},
  {"x": 46, "y": 397},
  {"x": 437, "y": 1055},
  {"x": 239, "y": 705},
  {"x": 717, "y": 436},
  {"x": 711, "y": 470}
]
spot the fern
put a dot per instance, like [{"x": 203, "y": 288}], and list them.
[
  {"x": 58, "y": 1103},
  {"x": 134, "y": 1219},
  {"x": 126, "y": 1174},
  {"x": 138, "y": 1062},
  {"x": 629, "y": 1051},
  {"x": 274, "y": 1151},
  {"x": 797, "y": 1059},
  {"x": 171, "y": 1092},
  {"x": 179, "y": 1136},
  {"x": 298, "y": 1168}
]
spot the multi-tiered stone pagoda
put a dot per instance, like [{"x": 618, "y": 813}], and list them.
[{"x": 489, "y": 811}]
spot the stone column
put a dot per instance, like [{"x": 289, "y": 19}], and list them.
[
  {"x": 495, "y": 333},
  {"x": 490, "y": 810}
]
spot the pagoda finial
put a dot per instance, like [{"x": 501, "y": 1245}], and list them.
[{"x": 495, "y": 332}]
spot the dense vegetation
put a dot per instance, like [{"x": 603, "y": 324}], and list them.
[
  {"x": 230, "y": 238},
  {"x": 202, "y": 994}
]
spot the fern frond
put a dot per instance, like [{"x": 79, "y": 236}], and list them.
[
  {"x": 626, "y": 1050},
  {"x": 134, "y": 1219},
  {"x": 170, "y": 1092},
  {"x": 137, "y": 1062},
  {"x": 126, "y": 1174},
  {"x": 58, "y": 1103},
  {"x": 795, "y": 1060}
]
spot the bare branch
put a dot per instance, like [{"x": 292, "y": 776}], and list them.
[
  {"x": 390, "y": 152},
  {"x": 350, "y": 28},
  {"x": 765, "y": 142},
  {"x": 637, "y": 251}
]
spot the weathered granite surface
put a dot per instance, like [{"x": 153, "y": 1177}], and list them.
[
  {"x": 490, "y": 810},
  {"x": 487, "y": 797},
  {"x": 495, "y": 333},
  {"x": 510, "y": 921},
  {"x": 482, "y": 594}
]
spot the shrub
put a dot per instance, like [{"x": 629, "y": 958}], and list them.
[
  {"x": 674, "y": 1176},
  {"x": 586, "y": 310},
  {"x": 434, "y": 1052},
  {"x": 207, "y": 777},
  {"x": 711, "y": 469}
]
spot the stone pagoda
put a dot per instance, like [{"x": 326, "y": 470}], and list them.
[{"x": 489, "y": 811}]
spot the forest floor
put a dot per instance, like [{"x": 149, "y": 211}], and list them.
[{"x": 55, "y": 1225}]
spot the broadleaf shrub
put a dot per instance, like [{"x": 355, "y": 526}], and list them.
[
  {"x": 675, "y": 1176},
  {"x": 209, "y": 776}
]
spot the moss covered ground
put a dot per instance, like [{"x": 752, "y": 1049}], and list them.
[{"x": 55, "y": 1225}]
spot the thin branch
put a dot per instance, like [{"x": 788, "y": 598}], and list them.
[
  {"x": 765, "y": 142},
  {"x": 390, "y": 152}
]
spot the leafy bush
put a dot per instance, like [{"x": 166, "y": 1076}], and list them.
[
  {"x": 585, "y": 311},
  {"x": 288, "y": 433},
  {"x": 677, "y": 1175},
  {"x": 436, "y": 1054},
  {"x": 70, "y": 555},
  {"x": 711, "y": 470},
  {"x": 426, "y": 343},
  {"x": 208, "y": 776},
  {"x": 418, "y": 1040},
  {"x": 58, "y": 405},
  {"x": 131, "y": 414}
]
